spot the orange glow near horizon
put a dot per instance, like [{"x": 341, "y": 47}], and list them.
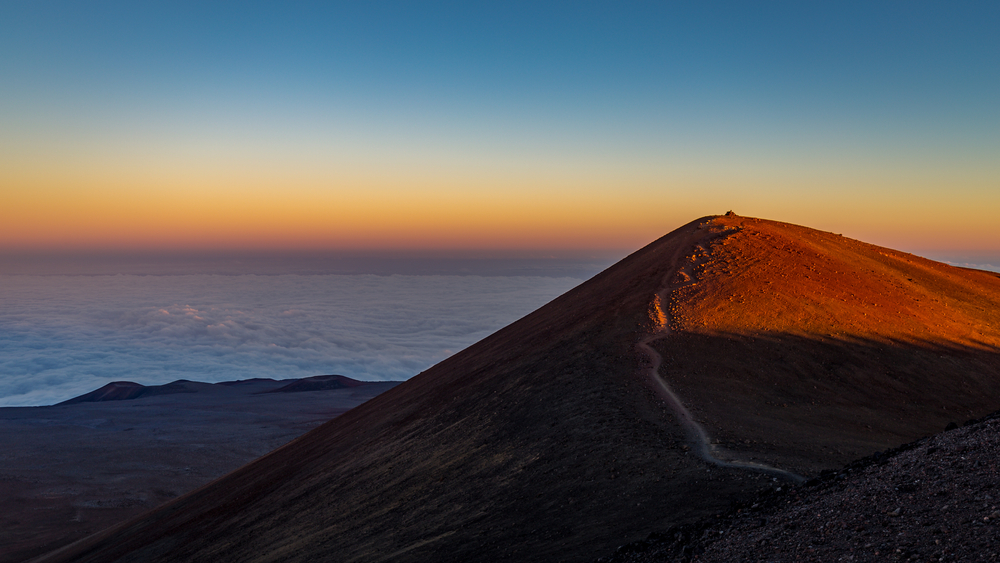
[
  {"x": 98, "y": 204},
  {"x": 348, "y": 127},
  {"x": 365, "y": 217}
]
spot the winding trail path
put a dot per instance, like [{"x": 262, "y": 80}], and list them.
[{"x": 681, "y": 274}]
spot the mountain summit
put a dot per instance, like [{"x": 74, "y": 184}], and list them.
[{"x": 731, "y": 355}]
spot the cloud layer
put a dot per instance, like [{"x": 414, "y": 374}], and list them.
[
  {"x": 61, "y": 336},
  {"x": 975, "y": 265}
]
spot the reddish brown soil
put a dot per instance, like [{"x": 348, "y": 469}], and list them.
[
  {"x": 764, "y": 278},
  {"x": 544, "y": 443},
  {"x": 807, "y": 349}
]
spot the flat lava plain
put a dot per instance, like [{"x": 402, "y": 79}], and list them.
[{"x": 69, "y": 470}]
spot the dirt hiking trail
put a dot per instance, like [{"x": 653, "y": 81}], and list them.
[{"x": 681, "y": 274}]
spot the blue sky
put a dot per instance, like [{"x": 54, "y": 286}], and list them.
[{"x": 798, "y": 111}]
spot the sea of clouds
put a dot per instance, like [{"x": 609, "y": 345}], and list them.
[
  {"x": 975, "y": 265},
  {"x": 61, "y": 336}
]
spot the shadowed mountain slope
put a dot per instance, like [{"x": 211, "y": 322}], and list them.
[
  {"x": 932, "y": 499},
  {"x": 70, "y": 470},
  {"x": 548, "y": 441},
  {"x": 835, "y": 347}
]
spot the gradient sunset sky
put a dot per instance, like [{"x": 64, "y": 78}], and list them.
[{"x": 523, "y": 126}]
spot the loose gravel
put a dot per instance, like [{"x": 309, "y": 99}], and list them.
[{"x": 936, "y": 499}]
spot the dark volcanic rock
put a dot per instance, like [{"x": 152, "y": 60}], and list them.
[{"x": 935, "y": 499}]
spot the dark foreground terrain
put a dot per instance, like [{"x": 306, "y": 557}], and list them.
[
  {"x": 689, "y": 376},
  {"x": 70, "y": 470},
  {"x": 936, "y": 499}
]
